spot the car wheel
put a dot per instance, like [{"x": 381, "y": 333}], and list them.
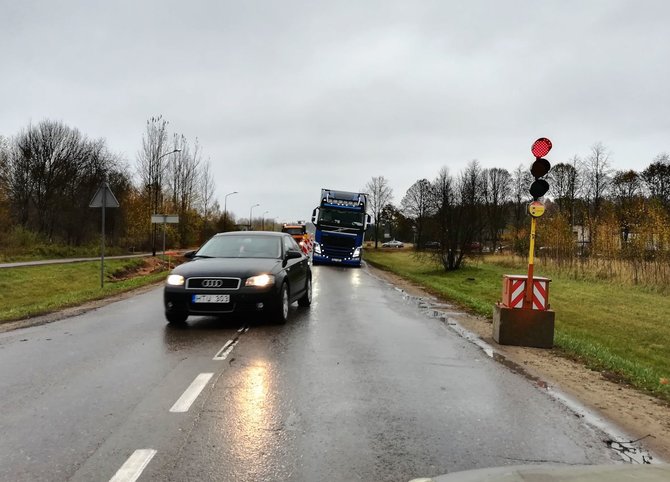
[
  {"x": 281, "y": 308},
  {"x": 306, "y": 299},
  {"x": 176, "y": 318}
]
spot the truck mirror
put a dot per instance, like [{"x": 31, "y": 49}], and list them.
[{"x": 314, "y": 215}]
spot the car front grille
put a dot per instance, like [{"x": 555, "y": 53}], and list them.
[{"x": 213, "y": 283}]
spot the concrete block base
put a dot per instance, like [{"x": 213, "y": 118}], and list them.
[{"x": 514, "y": 326}]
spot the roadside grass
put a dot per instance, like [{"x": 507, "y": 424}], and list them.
[
  {"x": 20, "y": 244},
  {"x": 37, "y": 290},
  {"x": 619, "y": 329}
]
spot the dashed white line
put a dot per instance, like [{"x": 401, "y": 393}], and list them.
[
  {"x": 191, "y": 393},
  {"x": 132, "y": 469},
  {"x": 225, "y": 351}
]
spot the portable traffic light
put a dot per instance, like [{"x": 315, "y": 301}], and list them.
[{"x": 540, "y": 167}]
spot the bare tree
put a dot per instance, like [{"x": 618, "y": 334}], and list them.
[
  {"x": 52, "y": 171},
  {"x": 521, "y": 181},
  {"x": 4, "y": 160},
  {"x": 626, "y": 192},
  {"x": 417, "y": 204},
  {"x": 597, "y": 177},
  {"x": 565, "y": 185},
  {"x": 379, "y": 195},
  {"x": 206, "y": 196},
  {"x": 4, "y": 182},
  {"x": 656, "y": 178},
  {"x": 182, "y": 175},
  {"x": 151, "y": 166},
  {"x": 471, "y": 189},
  {"x": 496, "y": 183},
  {"x": 393, "y": 219},
  {"x": 448, "y": 216}
]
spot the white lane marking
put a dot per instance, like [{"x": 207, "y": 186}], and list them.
[
  {"x": 225, "y": 351},
  {"x": 132, "y": 469},
  {"x": 191, "y": 393}
]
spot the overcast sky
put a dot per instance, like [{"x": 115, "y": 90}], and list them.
[{"x": 287, "y": 97}]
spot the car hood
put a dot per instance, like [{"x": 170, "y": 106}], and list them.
[{"x": 233, "y": 267}]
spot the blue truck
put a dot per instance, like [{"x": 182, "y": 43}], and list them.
[{"x": 340, "y": 221}]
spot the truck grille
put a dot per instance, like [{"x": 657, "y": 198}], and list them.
[{"x": 338, "y": 246}]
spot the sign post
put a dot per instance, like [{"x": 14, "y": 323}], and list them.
[
  {"x": 535, "y": 209},
  {"x": 164, "y": 219},
  {"x": 104, "y": 198}
]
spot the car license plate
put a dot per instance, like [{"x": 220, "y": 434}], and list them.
[
  {"x": 337, "y": 260},
  {"x": 211, "y": 298}
]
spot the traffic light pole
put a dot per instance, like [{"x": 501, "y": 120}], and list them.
[
  {"x": 528, "y": 300},
  {"x": 523, "y": 317}
]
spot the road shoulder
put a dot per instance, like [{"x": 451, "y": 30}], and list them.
[{"x": 637, "y": 414}]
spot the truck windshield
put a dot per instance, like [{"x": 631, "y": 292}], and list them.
[{"x": 344, "y": 218}]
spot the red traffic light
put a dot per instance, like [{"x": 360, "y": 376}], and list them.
[{"x": 541, "y": 147}]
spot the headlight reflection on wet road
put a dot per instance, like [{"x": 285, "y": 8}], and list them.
[{"x": 256, "y": 438}]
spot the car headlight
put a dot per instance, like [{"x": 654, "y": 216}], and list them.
[
  {"x": 357, "y": 253},
  {"x": 260, "y": 281},
  {"x": 317, "y": 248},
  {"x": 175, "y": 280}
]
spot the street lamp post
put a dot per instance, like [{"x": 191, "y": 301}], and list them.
[
  {"x": 225, "y": 209},
  {"x": 155, "y": 202},
  {"x": 250, "y": 210},
  {"x": 263, "y": 220}
]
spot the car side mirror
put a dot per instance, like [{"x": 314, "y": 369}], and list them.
[
  {"x": 293, "y": 255},
  {"x": 189, "y": 254}
]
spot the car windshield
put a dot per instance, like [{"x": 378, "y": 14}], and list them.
[
  {"x": 241, "y": 247},
  {"x": 345, "y": 218}
]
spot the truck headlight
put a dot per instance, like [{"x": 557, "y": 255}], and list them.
[
  {"x": 260, "y": 281},
  {"x": 175, "y": 280},
  {"x": 317, "y": 248},
  {"x": 357, "y": 253}
]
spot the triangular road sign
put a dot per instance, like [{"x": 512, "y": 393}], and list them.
[{"x": 109, "y": 198}]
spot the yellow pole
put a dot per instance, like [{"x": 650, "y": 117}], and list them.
[{"x": 531, "y": 254}]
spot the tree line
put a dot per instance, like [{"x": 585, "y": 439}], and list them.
[
  {"x": 593, "y": 212},
  {"x": 50, "y": 171}
]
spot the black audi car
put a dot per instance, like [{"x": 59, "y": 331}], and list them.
[{"x": 244, "y": 271}]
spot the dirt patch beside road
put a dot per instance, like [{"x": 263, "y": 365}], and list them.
[{"x": 639, "y": 415}]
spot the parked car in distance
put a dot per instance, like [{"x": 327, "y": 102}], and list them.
[
  {"x": 432, "y": 245},
  {"x": 244, "y": 271},
  {"x": 393, "y": 244}
]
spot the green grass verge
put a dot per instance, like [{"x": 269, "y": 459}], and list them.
[
  {"x": 39, "y": 251},
  {"x": 36, "y": 290},
  {"x": 621, "y": 329}
]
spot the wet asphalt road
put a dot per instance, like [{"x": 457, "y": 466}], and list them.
[{"x": 361, "y": 386}]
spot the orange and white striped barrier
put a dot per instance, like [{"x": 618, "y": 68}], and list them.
[
  {"x": 514, "y": 291},
  {"x": 306, "y": 245}
]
